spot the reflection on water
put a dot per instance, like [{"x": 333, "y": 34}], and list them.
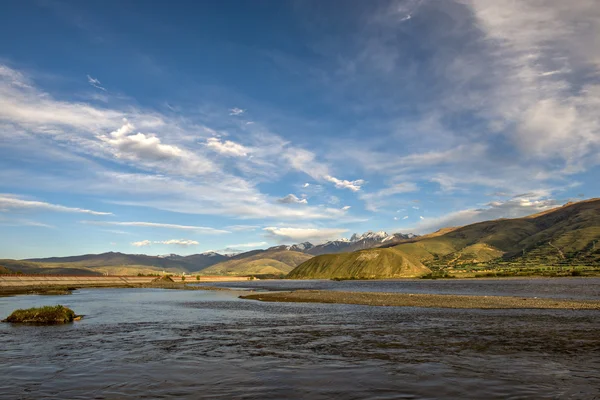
[{"x": 162, "y": 343}]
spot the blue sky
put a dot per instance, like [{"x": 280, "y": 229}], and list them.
[{"x": 159, "y": 127}]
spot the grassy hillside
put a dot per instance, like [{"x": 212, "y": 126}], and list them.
[
  {"x": 118, "y": 263},
  {"x": 28, "y": 267},
  {"x": 276, "y": 262},
  {"x": 364, "y": 264},
  {"x": 4, "y": 270},
  {"x": 562, "y": 237},
  {"x": 559, "y": 241}
]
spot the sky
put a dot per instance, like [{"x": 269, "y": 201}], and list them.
[{"x": 184, "y": 127}]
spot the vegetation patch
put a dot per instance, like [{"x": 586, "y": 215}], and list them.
[{"x": 48, "y": 315}]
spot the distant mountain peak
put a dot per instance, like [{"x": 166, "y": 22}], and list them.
[
  {"x": 170, "y": 256},
  {"x": 369, "y": 235},
  {"x": 210, "y": 253}
]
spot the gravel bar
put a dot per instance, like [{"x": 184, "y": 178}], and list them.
[{"x": 422, "y": 300}]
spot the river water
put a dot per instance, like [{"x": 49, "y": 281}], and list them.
[{"x": 154, "y": 343}]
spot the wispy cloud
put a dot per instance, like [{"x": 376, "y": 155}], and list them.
[
  {"x": 13, "y": 202},
  {"x": 316, "y": 235},
  {"x": 236, "y": 111},
  {"x": 95, "y": 83},
  {"x": 23, "y": 222},
  {"x": 384, "y": 197},
  {"x": 242, "y": 228},
  {"x": 306, "y": 161},
  {"x": 173, "y": 170},
  {"x": 227, "y": 148},
  {"x": 512, "y": 208},
  {"x": 197, "y": 229}
]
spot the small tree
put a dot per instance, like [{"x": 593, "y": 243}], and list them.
[
  {"x": 197, "y": 277},
  {"x": 183, "y": 278}
]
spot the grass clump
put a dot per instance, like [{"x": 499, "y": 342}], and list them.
[{"x": 43, "y": 315}]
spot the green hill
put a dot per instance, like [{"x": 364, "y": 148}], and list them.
[
  {"x": 562, "y": 239},
  {"x": 171, "y": 263},
  {"x": 364, "y": 264},
  {"x": 269, "y": 262},
  {"x": 113, "y": 263},
  {"x": 29, "y": 267}
]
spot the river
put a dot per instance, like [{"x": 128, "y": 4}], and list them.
[{"x": 155, "y": 343}]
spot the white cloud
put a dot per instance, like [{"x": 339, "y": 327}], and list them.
[
  {"x": 292, "y": 199},
  {"x": 140, "y": 145},
  {"x": 344, "y": 184},
  {"x": 421, "y": 217},
  {"x": 141, "y": 243},
  {"x": 227, "y": 148},
  {"x": 177, "y": 175},
  {"x": 405, "y": 217},
  {"x": 315, "y": 235},
  {"x": 198, "y": 229},
  {"x": 346, "y": 208},
  {"x": 95, "y": 83},
  {"x": 178, "y": 242},
  {"x": 306, "y": 185},
  {"x": 236, "y": 111},
  {"x": 79, "y": 128},
  {"x": 12, "y": 202}
]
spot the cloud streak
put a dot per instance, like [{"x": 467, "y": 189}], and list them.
[
  {"x": 293, "y": 235},
  {"x": 95, "y": 83},
  {"x": 197, "y": 229},
  {"x": 11, "y": 202}
]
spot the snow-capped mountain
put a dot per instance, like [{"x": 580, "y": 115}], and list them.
[
  {"x": 171, "y": 256},
  {"x": 357, "y": 241},
  {"x": 366, "y": 240}
]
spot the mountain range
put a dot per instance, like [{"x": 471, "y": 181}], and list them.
[
  {"x": 563, "y": 237},
  {"x": 277, "y": 260},
  {"x": 566, "y": 236}
]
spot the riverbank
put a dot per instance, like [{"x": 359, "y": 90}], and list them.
[
  {"x": 66, "y": 290},
  {"x": 422, "y": 300}
]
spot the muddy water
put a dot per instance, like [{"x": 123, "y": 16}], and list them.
[{"x": 156, "y": 343}]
